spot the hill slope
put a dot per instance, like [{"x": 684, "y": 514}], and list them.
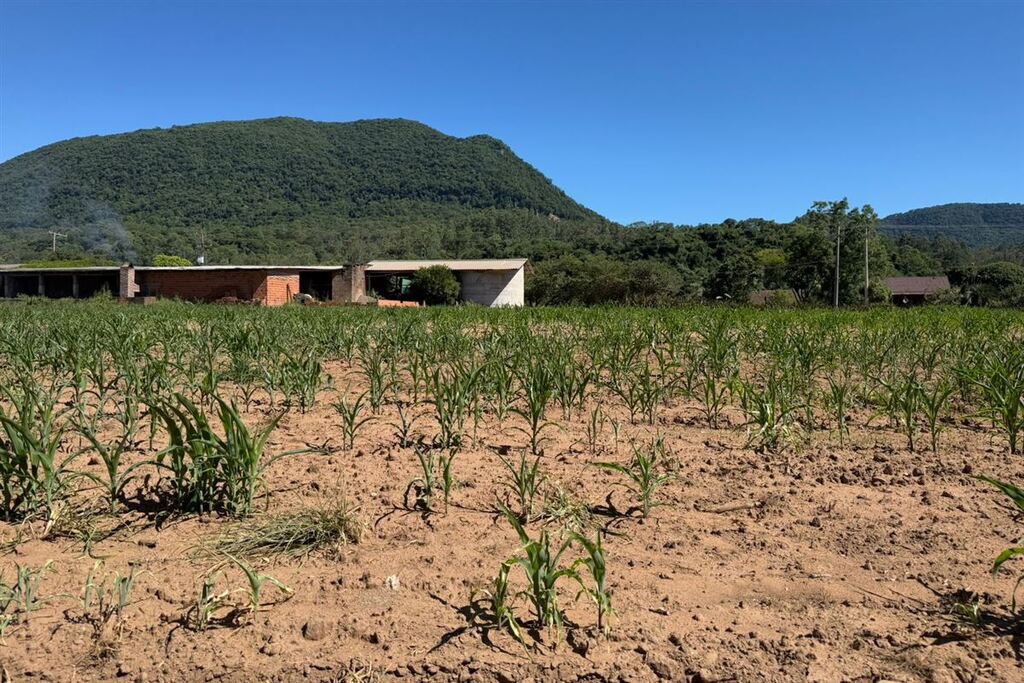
[
  {"x": 978, "y": 225},
  {"x": 280, "y": 190}
]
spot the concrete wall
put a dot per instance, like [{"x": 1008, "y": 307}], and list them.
[
  {"x": 349, "y": 285},
  {"x": 494, "y": 288}
]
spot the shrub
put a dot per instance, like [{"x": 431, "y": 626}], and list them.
[
  {"x": 436, "y": 285},
  {"x": 165, "y": 261},
  {"x": 1000, "y": 284}
]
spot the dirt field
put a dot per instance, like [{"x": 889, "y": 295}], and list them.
[{"x": 845, "y": 566}]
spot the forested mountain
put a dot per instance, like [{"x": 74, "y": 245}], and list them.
[
  {"x": 286, "y": 189},
  {"x": 291, "y": 191},
  {"x": 977, "y": 225}
]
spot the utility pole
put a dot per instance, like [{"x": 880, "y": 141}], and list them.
[{"x": 55, "y": 236}]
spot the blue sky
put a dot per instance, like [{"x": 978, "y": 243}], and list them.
[{"x": 682, "y": 112}]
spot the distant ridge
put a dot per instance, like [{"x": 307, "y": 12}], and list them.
[
  {"x": 281, "y": 188},
  {"x": 977, "y": 225}
]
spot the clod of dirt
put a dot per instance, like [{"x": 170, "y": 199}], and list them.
[{"x": 316, "y": 629}]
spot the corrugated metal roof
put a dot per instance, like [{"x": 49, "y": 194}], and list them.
[
  {"x": 903, "y": 286},
  {"x": 454, "y": 264}
]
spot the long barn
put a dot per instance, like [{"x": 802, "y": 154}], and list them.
[{"x": 488, "y": 282}]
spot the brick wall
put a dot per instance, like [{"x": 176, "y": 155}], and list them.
[
  {"x": 277, "y": 290},
  {"x": 269, "y": 288},
  {"x": 200, "y": 285}
]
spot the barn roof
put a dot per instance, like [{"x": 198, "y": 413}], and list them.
[{"x": 908, "y": 286}]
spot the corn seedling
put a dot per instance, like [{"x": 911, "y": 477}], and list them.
[
  {"x": 115, "y": 477},
  {"x": 19, "y": 599},
  {"x": 403, "y": 429},
  {"x": 1016, "y": 496},
  {"x": 208, "y": 603},
  {"x": 642, "y": 477},
  {"x": 351, "y": 418},
  {"x": 933, "y": 404},
  {"x": 598, "y": 570},
  {"x": 210, "y": 472},
  {"x": 523, "y": 482},
  {"x": 256, "y": 581},
  {"x": 838, "y": 401},
  {"x": 541, "y": 561},
  {"x": 768, "y": 413},
  {"x": 502, "y": 600},
  {"x": 1001, "y": 384},
  {"x": 538, "y": 388}
]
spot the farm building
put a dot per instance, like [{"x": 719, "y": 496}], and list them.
[
  {"x": 907, "y": 291},
  {"x": 489, "y": 282}
]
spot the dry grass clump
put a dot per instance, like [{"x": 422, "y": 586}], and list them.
[
  {"x": 323, "y": 528},
  {"x": 565, "y": 509}
]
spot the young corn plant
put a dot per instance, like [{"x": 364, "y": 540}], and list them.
[
  {"x": 35, "y": 479},
  {"x": 115, "y": 478},
  {"x": 352, "y": 419},
  {"x": 208, "y": 604},
  {"x": 406, "y": 420},
  {"x": 524, "y": 482},
  {"x": 934, "y": 403},
  {"x": 256, "y": 581},
  {"x": 1016, "y": 496},
  {"x": 454, "y": 393},
  {"x": 373, "y": 362},
  {"x": 436, "y": 474},
  {"x": 596, "y": 565},
  {"x": 1000, "y": 381},
  {"x": 714, "y": 395},
  {"x": 23, "y": 596},
  {"x": 541, "y": 562},
  {"x": 838, "y": 401},
  {"x": 502, "y": 600},
  {"x": 210, "y": 472},
  {"x": 538, "y": 388},
  {"x": 643, "y": 478},
  {"x": 301, "y": 377},
  {"x": 768, "y": 413},
  {"x": 103, "y": 606},
  {"x": 595, "y": 426}
]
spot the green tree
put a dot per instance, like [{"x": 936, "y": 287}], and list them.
[
  {"x": 165, "y": 261},
  {"x": 998, "y": 284},
  {"x": 848, "y": 229},
  {"x": 435, "y": 285},
  {"x": 774, "y": 263}
]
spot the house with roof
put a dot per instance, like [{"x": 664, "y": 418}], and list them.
[{"x": 910, "y": 291}]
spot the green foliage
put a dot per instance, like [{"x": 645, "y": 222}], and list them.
[
  {"x": 998, "y": 284},
  {"x": 284, "y": 189},
  {"x": 165, "y": 261},
  {"x": 435, "y": 286},
  {"x": 210, "y": 472},
  {"x": 83, "y": 262},
  {"x": 976, "y": 224}
]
